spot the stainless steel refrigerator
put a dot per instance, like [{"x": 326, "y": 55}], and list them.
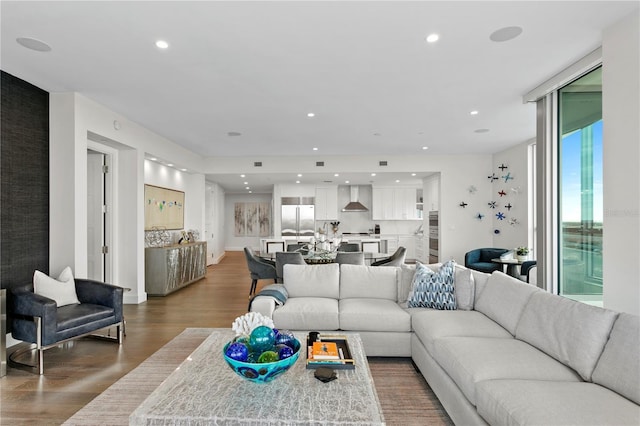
[{"x": 298, "y": 216}]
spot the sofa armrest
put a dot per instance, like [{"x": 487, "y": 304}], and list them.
[
  {"x": 265, "y": 305},
  {"x": 24, "y": 306},
  {"x": 99, "y": 293}
]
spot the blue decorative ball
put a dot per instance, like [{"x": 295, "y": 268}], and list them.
[
  {"x": 262, "y": 338},
  {"x": 237, "y": 351},
  {"x": 285, "y": 352},
  {"x": 285, "y": 337}
]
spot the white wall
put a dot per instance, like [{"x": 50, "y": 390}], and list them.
[
  {"x": 73, "y": 118},
  {"x": 233, "y": 243},
  {"x": 516, "y": 235},
  {"x": 621, "y": 157}
]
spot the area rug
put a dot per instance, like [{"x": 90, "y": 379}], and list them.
[{"x": 405, "y": 397}]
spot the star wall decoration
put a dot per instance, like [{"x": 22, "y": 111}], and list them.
[
  {"x": 492, "y": 204},
  {"x": 500, "y": 216},
  {"x": 479, "y": 216},
  {"x": 507, "y": 177},
  {"x": 463, "y": 204},
  {"x": 502, "y": 167},
  {"x": 513, "y": 221},
  {"x": 472, "y": 189},
  {"x": 508, "y": 206},
  {"x": 502, "y": 193},
  {"x": 493, "y": 177}
]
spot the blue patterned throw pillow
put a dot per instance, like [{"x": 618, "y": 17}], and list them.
[{"x": 431, "y": 289}]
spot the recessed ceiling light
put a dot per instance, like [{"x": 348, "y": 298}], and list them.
[
  {"x": 481, "y": 130},
  {"x": 153, "y": 159},
  {"x": 373, "y": 174},
  {"x": 315, "y": 149},
  {"x": 170, "y": 164},
  {"x": 33, "y": 44},
  {"x": 397, "y": 180},
  {"x": 297, "y": 181},
  {"x": 474, "y": 112},
  {"x": 432, "y": 38},
  {"x": 310, "y": 114},
  {"x": 246, "y": 183},
  {"x": 161, "y": 44},
  {"x": 425, "y": 147},
  {"x": 505, "y": 34},
  {"x": 413, "y": 174},
  {"x": 346, "y": 181},
  {"x": 183, "y": 170},
  {"x": 250, "y": 192},
  {"x": 247, "y": 187},
  {"x": 336, "y": 175}
]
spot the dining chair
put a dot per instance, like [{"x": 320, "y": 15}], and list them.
[
  {"x": 282, "y": 258},
  {"x": 350, "y": 258},
  {"x": 259, "y": 268},
  {"x": 274, "y": 246},
  {"x": 349, "y": 247},
  {"x": 396, "y": 259},
  {"x": 295, "y": 246}
]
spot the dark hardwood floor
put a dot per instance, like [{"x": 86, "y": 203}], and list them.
[{"x": 78, "y": 371}]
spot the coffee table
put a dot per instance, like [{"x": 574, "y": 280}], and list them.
[{"x": 203, "y": 390}]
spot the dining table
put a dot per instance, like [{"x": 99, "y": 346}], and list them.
[{"x": 315, "y": 258}]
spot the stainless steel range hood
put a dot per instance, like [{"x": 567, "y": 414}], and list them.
[{"x": 354, "y": 205}]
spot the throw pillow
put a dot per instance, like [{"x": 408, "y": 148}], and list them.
[
  {"x": 62, "y": 290},
  {"x": 433, "y": 289}
]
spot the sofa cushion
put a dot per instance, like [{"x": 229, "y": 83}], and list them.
[
  {"x": 463, "y": 283},
  {"x": 433, "y": 289},
  {"x": 62, "y": 290},
  {"x": 80, "y": 315},
  {"x": 308, "y": 313},
  {"x": 503, "y": 300},
  {"x": 373, "y": 282},
  {"x": 619, "y": 366},
  {"x": 312, "y": 280},
  {"x": 373, "y": 315},
  {"x": 430, "y": 325},
  {"x": 572, "y": 332},
  {"x": 470, "y": 360},
  {"x": 538, "y": 402}
]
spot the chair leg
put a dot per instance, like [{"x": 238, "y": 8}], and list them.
[{"x": 252, "y": 289}]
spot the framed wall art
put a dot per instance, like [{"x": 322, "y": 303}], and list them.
[{"x": 163, "y": 208}]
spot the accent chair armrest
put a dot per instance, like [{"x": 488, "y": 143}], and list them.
[
  {"x": 99, "y": 293},
  {"x": 471, "y": 257},
  {"x": 29, "y": 304}
]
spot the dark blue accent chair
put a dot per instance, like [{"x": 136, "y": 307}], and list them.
[{"x": 480, "y": 259}]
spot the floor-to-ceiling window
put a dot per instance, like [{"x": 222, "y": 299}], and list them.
[{"x": 580, "y": 207}]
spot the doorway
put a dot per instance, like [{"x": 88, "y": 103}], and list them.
[{"x": 98, "y": 216}]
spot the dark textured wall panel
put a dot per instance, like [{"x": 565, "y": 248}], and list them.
[{"x": 24, "y": 180}]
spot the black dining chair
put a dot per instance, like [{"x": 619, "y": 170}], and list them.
[
  {"x": 259, "y": 268},
  {"x": 396, "y": 259},
  {"x": 282, "y": 258},
  {"x": 350, "y": 258},
  {"x": 349, "y": 247}
]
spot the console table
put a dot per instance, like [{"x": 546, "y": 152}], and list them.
[{"x": 170, "y": 268}]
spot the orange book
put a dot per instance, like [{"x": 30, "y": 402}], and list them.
[{"x": 325, "y": 350}]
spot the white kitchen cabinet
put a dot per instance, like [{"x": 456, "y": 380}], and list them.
[
  {"x": 394, "y": 203},
  {"x": 326, "y": 203},
  {"x": 421, "y": 248},
  {"x": 431, "y": 193}
]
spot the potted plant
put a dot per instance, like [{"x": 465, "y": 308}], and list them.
[{"x": 522, "y": 253}]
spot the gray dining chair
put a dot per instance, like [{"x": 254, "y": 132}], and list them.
[
  {"x": 349, "y": 247},
  {"x": 396, "y": 259},
  {"x": 282, "y": 258},
  {"x": 350, "y": 258},
  {"x": 259, "y": 268}
]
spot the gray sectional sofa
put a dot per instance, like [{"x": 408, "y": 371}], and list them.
[{"x": 510, "y": 354}]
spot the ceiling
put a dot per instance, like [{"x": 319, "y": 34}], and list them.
[{"x": 240, "y": 77}]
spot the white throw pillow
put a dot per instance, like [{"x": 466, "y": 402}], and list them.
[{"x": 62, "y": 290}]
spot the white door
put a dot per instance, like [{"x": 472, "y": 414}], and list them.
[
  {"x": 98, "y": 181},
  {"x": 209, "y": 224}
]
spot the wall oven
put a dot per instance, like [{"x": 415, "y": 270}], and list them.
[{"x": 434, "y": 231}]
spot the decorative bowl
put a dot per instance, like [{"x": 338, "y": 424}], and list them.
[{"x": 262, "y": 372}]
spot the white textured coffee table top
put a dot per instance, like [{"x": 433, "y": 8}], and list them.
[{"x": 203, "y": 390}]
